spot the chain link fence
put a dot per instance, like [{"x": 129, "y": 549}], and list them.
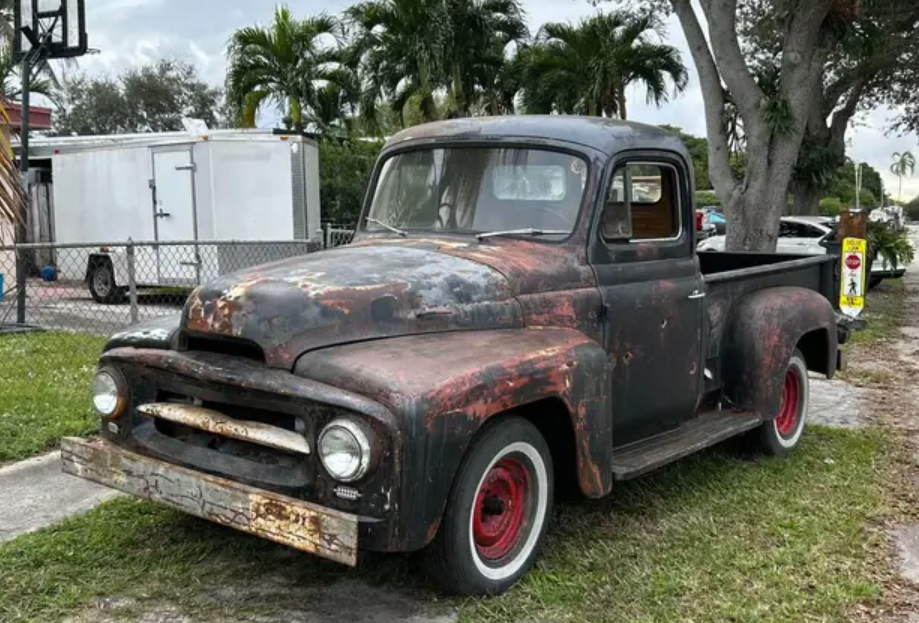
[
  {"x": 99, "y": 289},
  {"x": 83, "y": 293}
]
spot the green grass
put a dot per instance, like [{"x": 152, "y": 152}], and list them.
[
  {"x": 885, "y": 307},
  {"x": 44, "y": 390},
  {"x": 717, "y": 537}
]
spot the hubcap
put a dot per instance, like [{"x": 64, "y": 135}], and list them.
[
  {"x": 500, "y": 509},
  {"x": 787, "y": 420},
  {"x": 101, "y": 282}
]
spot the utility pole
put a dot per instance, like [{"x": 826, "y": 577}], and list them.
[{"x": 858, "y": 185}]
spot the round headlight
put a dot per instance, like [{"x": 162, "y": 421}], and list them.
[
  {"x": 344, "y": 450},
  {"x": 107, "y": 398}
]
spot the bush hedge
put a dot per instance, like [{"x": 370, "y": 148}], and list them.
[{"x": 344, "y": 172}]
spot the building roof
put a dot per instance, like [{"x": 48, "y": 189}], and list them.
[
  {"x": 39, "y": 117},
  {"x": 605, "y": 135}
]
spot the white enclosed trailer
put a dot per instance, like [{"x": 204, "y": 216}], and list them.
[{"x": 254, "y": 185}]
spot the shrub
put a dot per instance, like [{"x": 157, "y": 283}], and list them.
[
  {"x": 707, "y": 198},
  {"x": 344, "y": 172},
  {"x": 830, "y": 206}
]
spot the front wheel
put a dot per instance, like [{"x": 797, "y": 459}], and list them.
[
  {"x": 780, "y": 435},
  {"x": 497, "y": 512}
]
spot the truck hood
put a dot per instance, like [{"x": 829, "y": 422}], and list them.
[{"x": 348, "y": 294}]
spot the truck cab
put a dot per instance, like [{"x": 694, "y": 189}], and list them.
[{"x": 521, "y": 310}]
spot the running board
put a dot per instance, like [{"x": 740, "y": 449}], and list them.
[{"x": 701, "y": 432}]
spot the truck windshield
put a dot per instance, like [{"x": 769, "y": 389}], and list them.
[{"x": 479, "y": 190}]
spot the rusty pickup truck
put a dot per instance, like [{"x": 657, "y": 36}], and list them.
[{"x": 521, "y": 310}]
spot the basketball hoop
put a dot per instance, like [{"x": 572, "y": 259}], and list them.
[{"x": 47, "y": 29}]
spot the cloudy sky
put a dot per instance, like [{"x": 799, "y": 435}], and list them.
[{"x": 128, "y": 32}]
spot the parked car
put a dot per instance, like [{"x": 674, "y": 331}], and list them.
[
  {"x": 521, "y": 310},
  {"x": 803, "y": 235},
  {"x": 704, "y": 226}
]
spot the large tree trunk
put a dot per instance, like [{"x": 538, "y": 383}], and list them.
[
  {"x": 621, "y": 104},
  {"x": 806, "y": 198},
  {"x": 754, "y": 205}
]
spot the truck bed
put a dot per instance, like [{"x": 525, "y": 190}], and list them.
[{"x": 730, "y": 276}]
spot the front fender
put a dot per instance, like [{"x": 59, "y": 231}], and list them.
[
  {"x": 764, "y": 329},
  {"x": 442, "y": 388}
]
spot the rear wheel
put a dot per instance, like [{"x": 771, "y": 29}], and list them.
[
  {"x": 497, "y": 512},
  {"x": 781, "y": 434},
  {"x": 102, "y": 285}
]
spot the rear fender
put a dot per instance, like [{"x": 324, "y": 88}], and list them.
[
  {"x": 444, "y": 388},
  {"x": 765, "y": 328}
]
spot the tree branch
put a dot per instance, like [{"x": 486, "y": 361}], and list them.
[
  {"x": 720, "y": 172},
  {"x": 802, "y": 52},
  {"x": 721, "y": 16},
  {"x": 843, "y": 115}
]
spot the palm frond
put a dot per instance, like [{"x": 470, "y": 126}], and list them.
[{"x": 11, "y": 192}]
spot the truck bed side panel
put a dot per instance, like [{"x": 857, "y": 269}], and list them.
[{"x": 731, "y": 276}]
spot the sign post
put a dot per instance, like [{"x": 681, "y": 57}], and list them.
[{"x": 852, "y": 282}]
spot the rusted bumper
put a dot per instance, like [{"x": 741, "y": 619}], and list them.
[{"x": 325, "y": 532}]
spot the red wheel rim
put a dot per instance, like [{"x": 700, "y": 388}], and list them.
[
  {"x": 787, "y": 420},
  {"x": 500, "y": 509}
]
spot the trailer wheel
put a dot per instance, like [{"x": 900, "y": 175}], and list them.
[
  {"x": 780, "y": 435},
  {"x": 101, "y": 282},
  {"x": 497, "y": 512}
]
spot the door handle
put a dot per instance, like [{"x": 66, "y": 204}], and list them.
[{"x": 696, "y": 295}]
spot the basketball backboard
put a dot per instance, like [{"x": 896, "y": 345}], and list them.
[{"x": 59, "y": 24}]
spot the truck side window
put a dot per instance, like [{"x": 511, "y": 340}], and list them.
[{"x": 642, "y": 204}]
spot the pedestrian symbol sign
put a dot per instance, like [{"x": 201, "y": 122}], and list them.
[{"x": 852, "y": 282}]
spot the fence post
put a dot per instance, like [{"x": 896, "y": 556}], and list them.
[
  {"x": 21, "y": 257},
  {"x": 327, "y": 236},
  {"x": 132, "y": 282}
]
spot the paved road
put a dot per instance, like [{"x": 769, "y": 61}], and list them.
[{"x": 70, "y": 308}]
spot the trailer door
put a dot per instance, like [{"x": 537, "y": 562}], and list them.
[{"x": 174, "y": 213}]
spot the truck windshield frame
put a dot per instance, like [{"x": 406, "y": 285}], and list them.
[{"x": 502, "y": 186}]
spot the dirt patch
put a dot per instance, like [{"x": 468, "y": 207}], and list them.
[{"x": 346, "y": 601}]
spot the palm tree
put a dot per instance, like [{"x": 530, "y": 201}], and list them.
[
  {"x": 480, "y": 32},
  {"x": 500, "y": 83},
  {"x": 285, "y": 64},
  {"x": 11, "y": 79},
  {"x": 11, "y": 193},
  {"x": 586, "y": 68},
  {"x": 401, "y": 48},
  {"x": 904, "y": 165}
]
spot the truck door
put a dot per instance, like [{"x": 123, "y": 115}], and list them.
[
  {"x": 652, "y": 292},
  {"x": 174, "y": 214}
]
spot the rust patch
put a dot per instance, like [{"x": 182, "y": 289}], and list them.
[{"x": 220, "y": 424}]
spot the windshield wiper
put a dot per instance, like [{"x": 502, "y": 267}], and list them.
[
  {"x": 526, "y": 231},
  {"x": 394, "y": 230}
]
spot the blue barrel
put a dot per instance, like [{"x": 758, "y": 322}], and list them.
[
  {"x": 1, "y": 287},
  {"x": 49, "y": 273}
]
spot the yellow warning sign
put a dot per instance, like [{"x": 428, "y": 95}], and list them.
[{"x": 852, "y": 276}]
